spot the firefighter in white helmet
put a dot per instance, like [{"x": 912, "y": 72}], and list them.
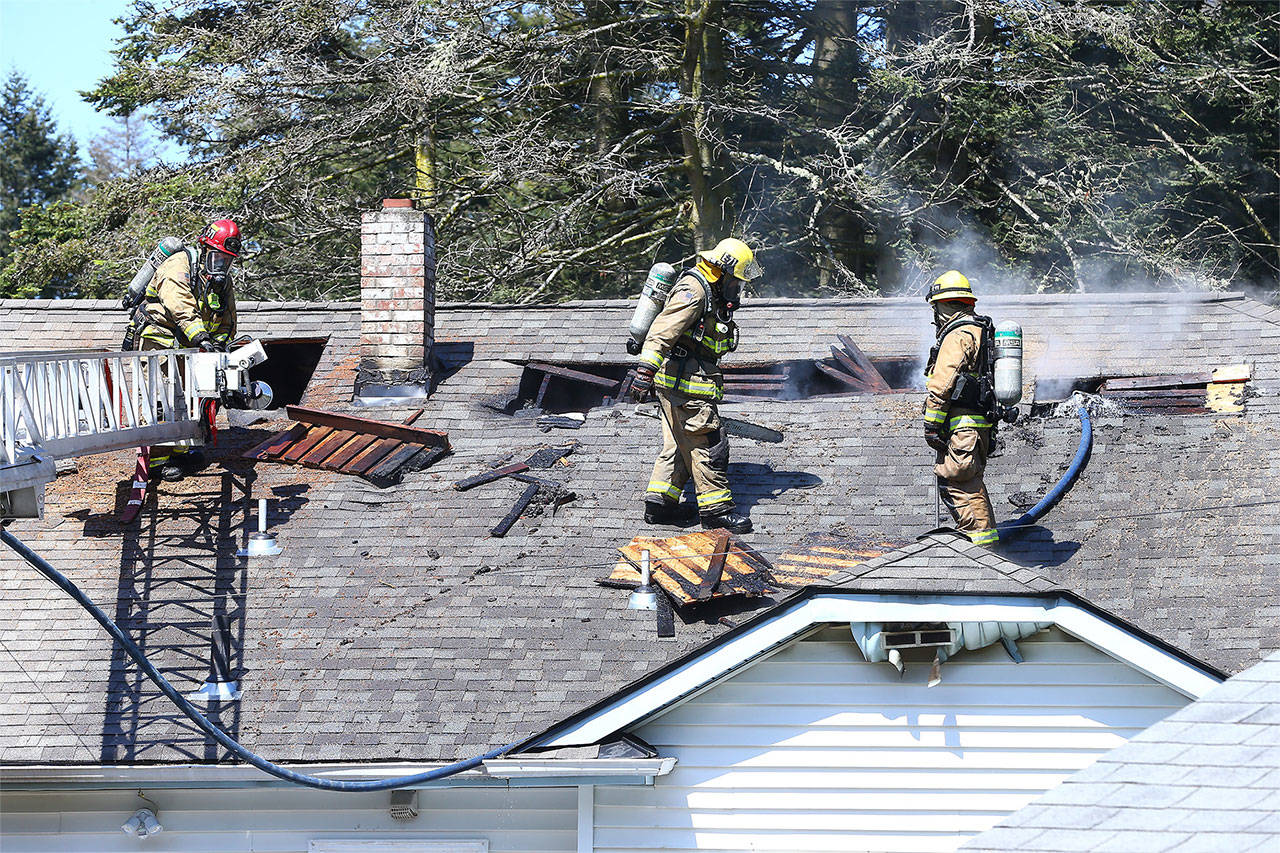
[
  {"x": 960, "y": 410},
  {"x": 680, "y": 361}
]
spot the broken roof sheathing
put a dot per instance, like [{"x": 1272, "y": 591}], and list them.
[{"x": 393, "y": 627}]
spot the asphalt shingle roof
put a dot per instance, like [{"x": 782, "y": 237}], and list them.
[
  {"x": 942, "y": 561},
  {"x": 1205, "y": 778},
  {"x": 394, "y": 627}
]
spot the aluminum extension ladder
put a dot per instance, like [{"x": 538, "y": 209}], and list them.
[{"x": 66, "y": 404}]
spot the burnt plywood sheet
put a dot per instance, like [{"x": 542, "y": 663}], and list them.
[{"x": 695, "y": 567}]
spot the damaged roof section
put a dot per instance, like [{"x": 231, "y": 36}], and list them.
[{"x": 380, "y": 452}]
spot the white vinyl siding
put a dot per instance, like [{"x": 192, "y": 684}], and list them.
[
  {"x": 813, "y": 749},
  {"x": 522, "y": 820}
]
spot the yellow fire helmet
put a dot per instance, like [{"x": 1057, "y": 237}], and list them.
[
  {"x": 734, "y": 258},
  {"x": 950, "y": 285}
]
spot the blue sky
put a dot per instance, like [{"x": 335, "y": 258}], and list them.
[{"x": 62, "y": 46}]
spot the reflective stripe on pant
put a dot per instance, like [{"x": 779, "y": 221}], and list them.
[
  {"x": 960, "y": 484},
  {"x": 693, "y": 445}
]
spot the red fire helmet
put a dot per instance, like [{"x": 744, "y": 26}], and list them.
[{"x": 223, "y": 235}]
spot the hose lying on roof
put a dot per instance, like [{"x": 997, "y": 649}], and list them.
[
  {"x": 1014, "y": 529},
  {"x": 61, "y": 581}
]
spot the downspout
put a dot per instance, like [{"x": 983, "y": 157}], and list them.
[
  {"x": 64, "y": 583},
  {"x": 1013, "y": 529}
]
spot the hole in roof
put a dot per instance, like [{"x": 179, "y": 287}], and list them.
[
  {"x": 563, "y": 387},
  {"x": 1168, "y": 393},
  {"x": 289, "y": 366}
]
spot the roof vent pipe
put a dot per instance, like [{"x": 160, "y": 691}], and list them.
[
  {"x": 644, "y": 597},
  {"x": 219, "y": 686},
  {"x": 262, "y": 543}
]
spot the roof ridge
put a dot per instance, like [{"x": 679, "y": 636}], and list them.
[{"x": 952, "y": 542}]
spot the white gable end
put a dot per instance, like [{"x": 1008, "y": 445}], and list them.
[{"x": 814, "y": 749}]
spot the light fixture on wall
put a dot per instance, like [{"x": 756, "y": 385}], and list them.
[{"x": 143, "y": 824}]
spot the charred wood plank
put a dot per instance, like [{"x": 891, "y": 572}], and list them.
[
  {"x": 414, "y": 434},
  {"x": 871, "y": 372},
  {"x": 328, "y": 447},
  {"x": 542, "y": 390},
  {"x": 1176, "y": 380},
  {"x": 372, "y": 455},
  {"x": 302, "y": 446},
  {"x": 715, "y": 566},
  {"x": 664, "y": 617},
  {"x": 526, "y": 497},
  {"x": 276, "y": 444},
  {"x": 1156, "y": 394},
  {"x": 490, "y": 476},
  {"x": 575, "y": 375},
  {"x": 350, "y": 450},
  {"x": 771, "y": 387},
  {"x": 843, "y": 378},
  {"x": 389, "y": 471}
]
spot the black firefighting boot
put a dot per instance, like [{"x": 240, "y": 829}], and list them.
[
  {"x": 665, "y": 512},
  {"x": 727, "y": 520},
  {"x": 163, "y": 466},
  {"x": 191, "y": 461}
]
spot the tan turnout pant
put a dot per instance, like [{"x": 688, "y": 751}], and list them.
[
  {"x": 693, "y": 444},
  {"x": 959, "y": 471}
]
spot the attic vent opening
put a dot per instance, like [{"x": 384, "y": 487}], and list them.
[
  {"x": 1221, "y": 390},
  {"x": 289, "y": 366},
  {"x": 564, "y": 387}
]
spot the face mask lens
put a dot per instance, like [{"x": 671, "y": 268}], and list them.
[{"x": 219, "y": 263}]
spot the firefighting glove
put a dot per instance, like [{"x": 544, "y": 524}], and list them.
[
  {"x": 933, "y": 436},
  {"x": 204, "y": 342},
  {"x": 642, "y": 385}
]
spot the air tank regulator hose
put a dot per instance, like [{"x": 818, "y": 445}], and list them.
[
  {"x": 64, "y": 583},
  {"x": 1013, "y": 529}
]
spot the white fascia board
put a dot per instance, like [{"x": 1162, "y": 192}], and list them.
[
  {"x": 206, "y": 775},
  {"x": 496, "y": 773},
  {"x": 544, "y": 768},
  {"x": 822, "y": 608}
]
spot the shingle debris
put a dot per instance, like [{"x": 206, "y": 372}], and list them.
[{"x": 379, "y": 452}]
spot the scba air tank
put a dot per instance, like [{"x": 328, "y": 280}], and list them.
[
  {"x": 138, "y": 287},
  {"x": 1008, "y": 368},
  {"x": 657, "y": 285}
]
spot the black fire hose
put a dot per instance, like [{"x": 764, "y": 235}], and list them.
[
  {"x": 1014, "y": 529},
  {"x": 62, "y": 582}
]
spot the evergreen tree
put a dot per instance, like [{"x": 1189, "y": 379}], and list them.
[{"x": 37, "y": 164}]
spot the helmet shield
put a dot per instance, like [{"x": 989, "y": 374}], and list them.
[{"x": 217, "y": 265}]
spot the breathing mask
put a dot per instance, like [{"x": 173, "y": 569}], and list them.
[
  {"x": 730, "y": 296},
  {"x": 217, "y": 266}
]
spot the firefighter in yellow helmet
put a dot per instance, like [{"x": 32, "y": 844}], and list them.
[
  {"x": 960, "y": 410},
  {"x": 680, "y": 361},
  {"x": 190, "y": 302}
]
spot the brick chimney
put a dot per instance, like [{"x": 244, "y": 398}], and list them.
[{"x": 397, "y": 301}]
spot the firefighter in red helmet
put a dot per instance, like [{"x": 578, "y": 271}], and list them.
[{"x": 190, "y": 302}]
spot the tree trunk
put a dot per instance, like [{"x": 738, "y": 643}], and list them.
[
  {"x": 424, "y": 161},
  {"x": 836, "y": 71},
  {"x": 702, "y": 74}
]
